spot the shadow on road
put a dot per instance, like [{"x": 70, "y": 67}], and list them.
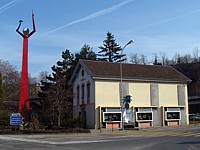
[{"x": 189, "y": 142}]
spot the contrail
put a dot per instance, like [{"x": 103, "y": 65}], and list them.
[
  {"x": 9, "y": 5},
  {"x": 168, "y": 20},
  {"x": 94, "y": 15}
]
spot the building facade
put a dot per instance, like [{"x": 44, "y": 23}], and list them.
[{"x": 159, "y": 95}]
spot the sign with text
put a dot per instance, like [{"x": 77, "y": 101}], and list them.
[{"x": 16, "y": 119}]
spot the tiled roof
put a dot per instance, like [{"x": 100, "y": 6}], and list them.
[{"x": 100, "y": 69}]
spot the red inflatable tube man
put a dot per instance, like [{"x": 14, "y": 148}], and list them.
[{"x": 24, "y": 92}]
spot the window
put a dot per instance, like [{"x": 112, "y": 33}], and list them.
[
  {"x": 88, "y": 92},
  {"x": 78, "y": 94},
  {"x": 112, "y": 116},
  {"x": 82, "y": 91},
  {"x": 144, "y": 116},
  {"x": 172, "y": 115},
  {"x": 82, "y": 73}
]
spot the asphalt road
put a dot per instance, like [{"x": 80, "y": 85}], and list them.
[{"x": 176, "y": 138}]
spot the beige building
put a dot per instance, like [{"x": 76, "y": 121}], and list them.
[{"x": 159, "y": 95}]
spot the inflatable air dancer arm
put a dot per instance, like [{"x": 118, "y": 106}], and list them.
[
  {"x": 20, "y": 22},
  {"x": 24, "y": 100},
  {"x": 34, "y": 29}
]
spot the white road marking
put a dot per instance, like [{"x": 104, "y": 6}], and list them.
[{"x": 54, "y": 142}]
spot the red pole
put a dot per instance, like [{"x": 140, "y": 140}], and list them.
[{"x": 24, "y": 77}]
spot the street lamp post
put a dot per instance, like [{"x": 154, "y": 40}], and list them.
[{"x": 121, "y": 89}]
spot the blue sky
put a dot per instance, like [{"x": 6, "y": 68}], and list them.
[{"x": 168, "y": 26}]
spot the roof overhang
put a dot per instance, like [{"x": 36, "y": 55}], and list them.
[{"x": 142, "y": 80}]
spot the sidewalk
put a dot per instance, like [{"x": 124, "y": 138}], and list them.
[
  {"x": 134, "y": 130},
  {"x": 98, "y": 135}
]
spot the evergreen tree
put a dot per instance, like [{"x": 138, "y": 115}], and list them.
[
  {"x": 85, "y": 53},
  {"x": 110, "y": 51},
  {"x": 56, "y": 93},
  {"x": 47, "y": 95}
]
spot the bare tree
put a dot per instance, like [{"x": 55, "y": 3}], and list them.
[
  {"x": 187, "y": 58},
  {"x": 196, "y": 54},
  {"x": 42, "y": 76},
  {"x": 10, "y": 80},
  {"x": 176, "y": 59},
  {"x": 134, "y": 58},
  {"x": 143, "y": 59},
  {"x": 163, "y": 58},
  {"x": 169, "y": 62},
  {"x": 155, "y": 59}
]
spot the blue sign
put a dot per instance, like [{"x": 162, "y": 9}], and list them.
[{"x": 16, "y": 119}]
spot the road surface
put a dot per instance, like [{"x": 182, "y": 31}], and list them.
[{"x": 176, "y": 138}]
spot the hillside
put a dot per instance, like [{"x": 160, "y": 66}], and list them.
[{"x": 191, "y": 70}]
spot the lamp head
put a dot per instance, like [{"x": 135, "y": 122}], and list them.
[{"x": 130, "y": 42}]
